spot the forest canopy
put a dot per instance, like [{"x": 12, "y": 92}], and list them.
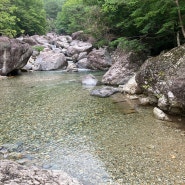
[
  {"x": 154, "y": 25},
  {"x": 158, "y": 25},
  {"x": 22, "y": 17}
]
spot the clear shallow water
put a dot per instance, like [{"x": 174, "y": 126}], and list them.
[{"x": 61, "y": 126}]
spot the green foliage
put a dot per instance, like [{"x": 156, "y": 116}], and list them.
[
  {"x": 71, "y": 18},
  {"x": 153, "y": 22},
  {"x": 155, "y": 17},
  {"x": 38, "y": 48},
  {"x": 129, "y": 23},
  {"x": 52, "y": 8},
  {"x": 22, "y": 16},
  {"x": 7, "y": 18},
  {"x": 31, "y": 15},
  {"x": 128, "y": 45},
  {"x": 77, "y": 15}
]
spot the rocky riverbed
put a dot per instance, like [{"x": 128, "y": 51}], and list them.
[{"x": 49, "y": 120}]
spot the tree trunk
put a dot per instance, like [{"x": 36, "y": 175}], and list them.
[
  {"x": 180, "y": 18},
  {"x": 178, "y": 39}
]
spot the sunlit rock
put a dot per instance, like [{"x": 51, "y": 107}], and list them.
[{"x": 159, "y": 114}]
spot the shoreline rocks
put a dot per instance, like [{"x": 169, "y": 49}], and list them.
[
  {"x": 13, "y": 173},
  {"x": 163, "y": 77}
]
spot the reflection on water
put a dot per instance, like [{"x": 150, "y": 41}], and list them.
[{"x": 97, "y": 140}]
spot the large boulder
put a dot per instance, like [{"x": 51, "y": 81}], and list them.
[
  {"x": 164, "y": 77},
  {"x": 40, "y": 40},
  {"x": 125, "y": 65},
  {"x": 99, "y": 59},
  {"x": 47, "y": 61},
  {"x": 14, "y": 55},
  {"x": 71, "y": 67},
  {"x": 78, "y": 51},
  {"x": 77, "y": 46}
]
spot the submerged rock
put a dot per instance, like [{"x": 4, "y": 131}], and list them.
[
  {"x": 104, "y": 92},
  {"x": 164, "y": 77},
  {"x": 89, "y": 80},
  {"x": 14, "y": 55}
]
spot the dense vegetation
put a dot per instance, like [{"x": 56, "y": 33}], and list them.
[
  {"x": 52, "y": 8},
  {"x": 156, "y": 24},
  {"x": 22, "y": 17},
  {"x": 129, "y": 24}
]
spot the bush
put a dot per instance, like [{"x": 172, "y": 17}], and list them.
[
  {"x": 38, "y": 48},
  {"x": 128, "y": 45}
]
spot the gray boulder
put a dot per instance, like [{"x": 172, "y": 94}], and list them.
[
  {"x": 99, "y": 59},
  {"x": 48, "y": 61},
  {"x": 30, "y": 41},
  {"x": 77, "y": 46},
  {"x": 131, "y": 87},
  {"x": 83, "y": 63},
  {"x": 159, "y": 114},
  {"x": 82, "y": 56},
  {"x": 65, "y": 38},
  {"x": 125, "y": 65},
  {"x": 14, "y": 55},
  {"x": 41, "y": 40},
  {"x": 77, "y": 35},
  {"x": 72, "y": 67},
  {"x": 104, "y": 92},
  {"x": 164, "y": 77},
  {"x": 89, "y": 80}
]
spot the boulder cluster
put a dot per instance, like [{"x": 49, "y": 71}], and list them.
[
  {"x": 52, "y": 52},
  {"x": 161, "y": 79}
]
